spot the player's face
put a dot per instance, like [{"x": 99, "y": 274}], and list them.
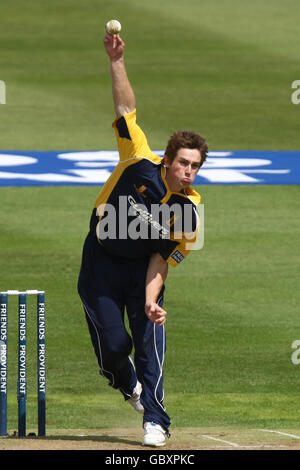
[{"x": 183, "y": 170}]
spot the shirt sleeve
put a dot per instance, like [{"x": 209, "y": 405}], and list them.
[
  {"x": 174, "y": 252},
  {"x": 177, "y": 247},
  {"x": 132, "y": 142}
]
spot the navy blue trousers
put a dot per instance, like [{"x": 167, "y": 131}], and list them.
[{"x": 108, "y": 285}]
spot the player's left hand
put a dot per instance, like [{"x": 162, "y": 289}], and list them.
[{"x": 155, "y": 313}]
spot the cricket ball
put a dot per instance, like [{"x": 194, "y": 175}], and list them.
[{"x": 113, "y": 27}]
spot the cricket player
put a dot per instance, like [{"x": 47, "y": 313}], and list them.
[{"x": 132, "y": 240}]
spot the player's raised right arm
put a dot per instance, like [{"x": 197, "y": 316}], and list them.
[{"x": 123, "y": 95}]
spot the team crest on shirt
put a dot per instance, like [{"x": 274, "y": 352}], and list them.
[
  {"x": 141, "y": 189},
  {"x": 172, "y": 220}
]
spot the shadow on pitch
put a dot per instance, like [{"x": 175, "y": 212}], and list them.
[{"x": 103, "y": 438}]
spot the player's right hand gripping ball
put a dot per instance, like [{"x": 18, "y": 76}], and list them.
[{"x": 113, "y": 27}]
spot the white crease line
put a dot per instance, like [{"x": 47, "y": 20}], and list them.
[
  {"x": 233, "y": 444},
  {"x": 242, "y": 446},
  {"x": 279, "y": 432}
]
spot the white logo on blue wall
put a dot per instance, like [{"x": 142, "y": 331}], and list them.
[
  {"x": 95, "y": 167},
  {"x": 2, "y": 92}
]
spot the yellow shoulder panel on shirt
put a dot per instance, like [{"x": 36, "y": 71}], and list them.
[
  {"x": 193, "y": 195},
  {"x": 112, "y": 181},
  {"x": 132, "y": 142},
  {"x": 132, "y": 146}
]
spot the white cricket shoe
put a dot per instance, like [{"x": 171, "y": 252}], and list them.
[
  {"x": 135, "y": 398},
  {"x": 154, "y": 435}
]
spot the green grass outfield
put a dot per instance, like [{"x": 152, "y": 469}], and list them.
[{"x": 224, "y": 69}]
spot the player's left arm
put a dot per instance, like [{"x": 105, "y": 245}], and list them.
[{"x": 156, "y": 275}]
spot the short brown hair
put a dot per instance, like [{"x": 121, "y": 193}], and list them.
[{"x": 187, "y": 140}]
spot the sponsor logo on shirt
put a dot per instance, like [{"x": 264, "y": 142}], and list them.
[{"x": 177, "y": 256}]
